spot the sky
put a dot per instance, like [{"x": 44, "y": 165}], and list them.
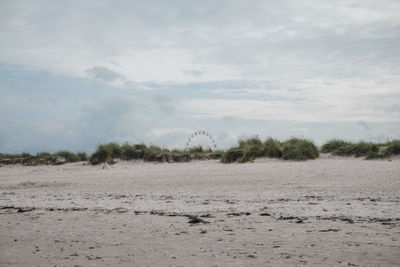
[{"x": 74, "y": 74}]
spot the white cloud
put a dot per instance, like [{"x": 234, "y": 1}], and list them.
[
  {"x": 229, "y": 39},
  {"x": 104, "y": 74},
  {"x": 189, "y": 61}
]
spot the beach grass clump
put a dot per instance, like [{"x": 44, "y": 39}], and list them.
[
  {"x": 368, "y": 149},
  {"x": 377, "y": 155},
  {"x": 43, "y": 158},
  {"x": 393, "y": 147},
  {"x": 252, "y": 148},
  {"x": 247, "y": 150},
  {"x": 67, "y": 156},
  {"x": 333, "y": 145},
  {"x": 196, "y": 149},
  {"x": 250, "y": 142},
  {"x": 101, "y": 155},
  {"x": 215, "y": 155},
  {"x": 110, "y": 152},
  {"x": 232, "y": 155},
  {"x": 299, "y": 149},
  {"x": 23, "y": 158},
  {"x": 272, "y": 148},
  {"x": 114, "y": 150},
  {"x": 359, "y": 149},
  {"x": 389, "y": 149},
  {"x": 129, "y": 152},
  {"x": 82, "y": 156}
]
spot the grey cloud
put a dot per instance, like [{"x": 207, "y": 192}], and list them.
[
  {"x": 165, "y": 103},
  {"x": 283, "y": 42},
  {"x": 104, "y": 74},
  {"x": 392, "y": 109},
  {"x": 196, "y": 73}
]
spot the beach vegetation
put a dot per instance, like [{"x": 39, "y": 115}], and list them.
[
  {"x": 299, "y": 149},
  {"x": 368, "y": 149}
]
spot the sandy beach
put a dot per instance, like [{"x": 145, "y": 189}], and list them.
[{"x": 324, "y": 212}]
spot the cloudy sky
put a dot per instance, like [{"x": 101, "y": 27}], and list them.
[{"x": 77, "y": 73}]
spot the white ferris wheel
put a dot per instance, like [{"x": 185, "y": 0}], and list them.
[{"x": 201, "y": 138}]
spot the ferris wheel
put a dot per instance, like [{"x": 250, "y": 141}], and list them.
[{"x": 201, "y": 138}]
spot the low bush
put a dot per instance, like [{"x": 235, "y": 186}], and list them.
[
  {"x": 100, "y": 155},
  {"x": 393, "y": 148},
  {"x": 332, "y": 145},
  {"x": 252, "y": 148},
  {"x": 299, "y": 149},
  {"x": 272, "y": 148},
  {"x": 128, "y": 152},
  {"x": 82, "y": 156},
  {"x": 376, "y": 155},
  {"x": 232, "y": 155},
  {"x": 68, "y": 156},
  {"x": 357, "y": 150},
  {"x": 196, "y": 149}
]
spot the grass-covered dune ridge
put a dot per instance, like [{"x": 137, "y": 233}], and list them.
[
  {"x": 246, "y": 150},
  {"x": 252, "y": 148},
  {"x": 367, "y": 149},
  {"x": 110, "y": 152},
  {"x": 43, "y": 158}
]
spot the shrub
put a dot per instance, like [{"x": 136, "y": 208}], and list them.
[
  {"x": 113, "y": 149},
  {"x": 299, "y": 149},
  {"x": 82, "y": 156},
  {"x": 252, "y": 148},
  {"x": 26, "y": 155},
  {"x": 215, "y": 155},
  {"x": 142, "y": 147},
  {"x": 272, "y": 148},
  {"x": 185, "y": 157},
  {"x": 154, "y": 148},
  {"x": 359, "y": 149},
  {"x": 128, "y": 152},
  {"x": 196, "y": 149},
  {"x": 110, "y": 160},
  {"x": 149, "y": 156},
  {"x": 253, "y": 141},
  {"x": 68, "y": 156},
  {"x": 44, "y": 158},
  {"x": 394, "y": 148},
  {"x": 232, "y": 155},
  {"x": 332, "y": 145},
  {"x": 106, "y": 153},
  {"x": 376, "y": 155},
  {"x": 100, "y": 155}
]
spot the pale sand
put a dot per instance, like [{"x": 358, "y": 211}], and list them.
[{"x": 324, "y": 212}]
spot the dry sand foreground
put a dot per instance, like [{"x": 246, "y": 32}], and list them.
[{"x": 324, "y": 212}]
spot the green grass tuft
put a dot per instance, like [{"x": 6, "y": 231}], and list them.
[
  {"x": 252, "y": 148},
  {"x": 332, "y": 145},
  {"x": 393, "y": 147},
  {"x": 367, "y": 149},
  {"x": 272, "y": 148},
  {"x": 299, "y": 149},
  {"x": 359, "y": 149}
]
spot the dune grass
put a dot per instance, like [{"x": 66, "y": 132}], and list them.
[
  {"x": 368, "y": 150},
  {"x": 299, "y": 149},
  {"x": 246, "y": 150},
  {"x": 111, "y": 152},
  {"x": 43, "y": 158},
  {"x": 252, "y": 148}
]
